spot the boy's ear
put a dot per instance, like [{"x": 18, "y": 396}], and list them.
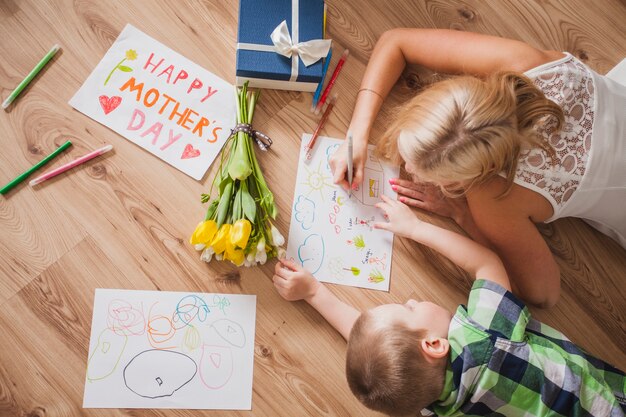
[{"x": 435, "y": 347}]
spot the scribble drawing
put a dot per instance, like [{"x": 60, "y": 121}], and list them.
[
  {"x": 230, "y": 331},
  {"x": 189, "y": 308},
  {"x": 106, "y": 355},
  {"x": 317, "y": 181},
  {"x": 160, "y": 330},
  {"x": 304, "y": 212},
  {"x": 158, "y": 373},
  {"x": 221, "y": 303},
  {"x": 192, "y": 338},
  {"x": 124, "y": 319},
  {"x": 330, "y": 150},
  {"x": 335, "y": 267},
  {"x": 376, "y": 276},
  {"x": 311, "y": 253},
  {"x": 216, "y": 366}
]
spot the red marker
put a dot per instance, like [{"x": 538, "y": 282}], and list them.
[
  {"x": 336, "y": 72},
  {"x": 70, "y": 165}
]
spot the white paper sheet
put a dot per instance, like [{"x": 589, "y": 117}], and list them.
[
  {"x": 330, "y": 234},
  {"x": 161, "y": 101},
  {"x": 157, "y": 349}
]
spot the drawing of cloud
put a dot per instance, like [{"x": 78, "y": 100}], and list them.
[
  {"x": 305, "y": 212},
  {"x": 329, "y": 152},
  {"x": 311, "y": 253},
  {"x": 158, "y": 373}
]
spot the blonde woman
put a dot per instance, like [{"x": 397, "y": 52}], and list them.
[{"x": 524, "y": 136}]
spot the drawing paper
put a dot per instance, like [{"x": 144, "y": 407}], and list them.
[
  {"x": 158, "y": 349},
  {"x": 332, "y": 235},
  {"x": 161, "y": 101}
]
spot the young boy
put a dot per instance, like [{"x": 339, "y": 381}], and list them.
[{"x": 489, "y": 358}]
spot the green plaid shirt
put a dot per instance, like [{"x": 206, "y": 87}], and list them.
[{"x": 503, "y": 363}]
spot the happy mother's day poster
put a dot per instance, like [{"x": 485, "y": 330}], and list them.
[{"x": 161, "y": 101}]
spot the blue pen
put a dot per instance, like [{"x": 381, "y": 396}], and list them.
[{"x": 318, "y": 92}]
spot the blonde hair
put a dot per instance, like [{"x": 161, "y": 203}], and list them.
[
  {"x": 387, "y": 370},
  {"x": 463, "y": 131}
]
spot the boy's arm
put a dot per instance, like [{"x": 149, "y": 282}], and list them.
[
  {"x": 295, "y": 283},
  {"x": 474, "y": 258}
]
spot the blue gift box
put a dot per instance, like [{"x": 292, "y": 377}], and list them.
[{"x": 257, "y": 59}]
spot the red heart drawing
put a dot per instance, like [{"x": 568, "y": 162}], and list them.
[
  {"x": 109, "y": 104},
  {"x": 190, "y": 152}
]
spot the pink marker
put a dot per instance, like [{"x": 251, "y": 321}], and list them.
[{"x": 70, "y": 165}]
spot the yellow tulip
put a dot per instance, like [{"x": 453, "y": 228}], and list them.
[
  {"x": 203, "y": 233},
  {"x": 240, "y": 233},
  {"x": 221, "y": 239},
  {"x": 234, "y": 255}
]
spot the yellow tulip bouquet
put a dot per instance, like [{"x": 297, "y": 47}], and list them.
[{"x": 238, "y": 224}]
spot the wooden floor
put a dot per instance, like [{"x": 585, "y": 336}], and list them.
[{"x": 122, "y": 221}]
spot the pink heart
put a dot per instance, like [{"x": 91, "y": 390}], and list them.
[
  {"x": 109, "y": 104},
  {"x": 190, "y": 152}
]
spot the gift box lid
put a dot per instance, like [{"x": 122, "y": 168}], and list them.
[{"x": 257, "y": 20}]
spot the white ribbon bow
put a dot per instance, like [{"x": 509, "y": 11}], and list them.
[{"x": 309, "y": 52}]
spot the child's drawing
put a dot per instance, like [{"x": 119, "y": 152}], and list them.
[
  {"x": 158, "y": 373},
  {"x": 157, "y": 349},
  {"x": 304, "y": 209},
  {"x": 317, "y": 180},
  {"x": 311, "y": 252},
  {"x": 339, "y": 243}
]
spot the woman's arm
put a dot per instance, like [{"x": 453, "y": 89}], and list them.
[
  {"x": 507, "y": 223},
  {"x": 441, "y": 50}
]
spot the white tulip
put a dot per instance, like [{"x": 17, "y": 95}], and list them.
[
  {"x": 207, "y": 254},
  {"x": 277, "y": 238},
  {"x": 199, "y": 246}
]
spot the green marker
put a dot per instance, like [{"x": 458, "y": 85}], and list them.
[
  {"x": 35, "y": 167},
  {"x": 30, "y": 76}
]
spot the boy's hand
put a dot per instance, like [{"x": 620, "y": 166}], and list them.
[
  {"x": 294, "y": 282},
  {"x": 402, "y": 221}
]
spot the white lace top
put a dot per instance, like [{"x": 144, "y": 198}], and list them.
[
  {"x": 587, "y": 178},
  {"x": 568, "y": 83}
]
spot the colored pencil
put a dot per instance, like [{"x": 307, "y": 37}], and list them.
[
  {"x": 332, "y": 81},
  {"x": 350, "y": 162},
  {"x": 34, "y": 168},
  {"x": 318, "y": 129},
  {"x": 316, "y": 96},
  {"x": 70, "y": 165},
  {"x": 30, "y": 76}
]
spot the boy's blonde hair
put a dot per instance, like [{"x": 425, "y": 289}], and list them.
[
  {"x": 463, "y": 131},
  {"x": 387, "y": 370}
]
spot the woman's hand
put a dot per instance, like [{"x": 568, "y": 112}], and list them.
[
  {"x": 294, "y": 282},
  {"x": 401, "y": 220},
  {"x": 429, "y": 197},
  {"x": 339, "y": 162}
]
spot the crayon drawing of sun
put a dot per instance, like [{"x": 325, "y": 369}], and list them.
[{"x": 317, "y": 181}]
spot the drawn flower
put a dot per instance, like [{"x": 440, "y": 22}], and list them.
[
  {"x": 131, "y": 55},
  {"x": 376, "y": 276},
  {"x": 359, "y": 242},
  {"x": 355, "y": 271}
]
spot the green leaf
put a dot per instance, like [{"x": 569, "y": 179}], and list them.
[
  {"x": 224, "y": 204},
  {"x": 248, "y": 204},
  {"x": 210, "y": 213},
  {"x": 125, "y": 68}
]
